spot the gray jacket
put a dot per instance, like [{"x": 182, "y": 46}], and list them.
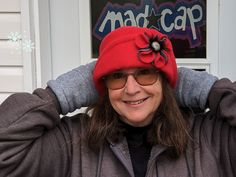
[{"x": 35, "y": 142}]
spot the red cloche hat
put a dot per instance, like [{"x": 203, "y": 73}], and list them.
[{"x": 129, "y": 47}]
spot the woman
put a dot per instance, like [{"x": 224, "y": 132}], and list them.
[{"x": 134, "y": 129}]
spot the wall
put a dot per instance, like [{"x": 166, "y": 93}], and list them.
[
  {"x": 67, "y": 24},
  {"x": 11, "y": 64},
  {"x": 64, "y": 35},
  {"x": 65, "y": 28},
  {"x": 17, "y": 47},
  {"x": 227, "y": 39}
]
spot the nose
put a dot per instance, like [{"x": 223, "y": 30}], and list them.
[{"x": 131, "y": 86}]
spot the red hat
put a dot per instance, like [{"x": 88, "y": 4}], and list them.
[{"x": 129, "y": 47}]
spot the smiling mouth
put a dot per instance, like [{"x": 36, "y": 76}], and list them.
[{"x": 136, "y": 102}]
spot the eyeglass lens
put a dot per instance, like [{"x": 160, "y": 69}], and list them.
[{"x": 144, "y": 77}]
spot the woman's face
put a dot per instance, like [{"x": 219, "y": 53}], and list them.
[{"x": 136, "y": 104}]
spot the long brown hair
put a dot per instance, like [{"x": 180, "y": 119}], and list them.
[{"x": 169, "y": 128}]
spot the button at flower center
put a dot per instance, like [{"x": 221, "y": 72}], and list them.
[{"x": 156, "y": 46}]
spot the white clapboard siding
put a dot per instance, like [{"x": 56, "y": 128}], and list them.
[
  {"x": 10, "y": 55},
  {"x": 3, "y": 96},
  {"x": 11, "y": 64},
  {"x": 9, "y": 22},
  {"x": 10, "y": 5},
  {"x": 11, "y": 79}
]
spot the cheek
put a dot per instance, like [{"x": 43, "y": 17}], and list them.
[
  {"x": 114, "y": 96},
  {"x": 159, "y": 99},
  {"x": 158, "y": 94}
]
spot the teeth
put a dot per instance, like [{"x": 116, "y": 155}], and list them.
[{"x": 135, "y": 102}]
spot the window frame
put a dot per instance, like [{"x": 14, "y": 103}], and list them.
[{"x": 210, "y": 63}]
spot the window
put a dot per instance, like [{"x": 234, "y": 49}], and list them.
[{"x": 191, "y": 25}]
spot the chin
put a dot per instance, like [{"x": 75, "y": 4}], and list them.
[{"x": 139, "y": 123}]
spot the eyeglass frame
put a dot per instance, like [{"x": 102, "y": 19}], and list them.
[{"x": 135, "y": 76}]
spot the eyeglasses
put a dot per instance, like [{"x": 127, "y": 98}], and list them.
[{"x": 143, "y": 76}]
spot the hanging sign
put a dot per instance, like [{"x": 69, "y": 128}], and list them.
[{"x": 184, "y": 22}]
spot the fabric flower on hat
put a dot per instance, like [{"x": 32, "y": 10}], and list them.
[{"x": 153, "y": 49}]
